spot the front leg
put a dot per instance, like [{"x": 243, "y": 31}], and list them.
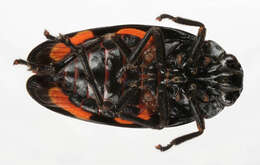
[{"x": 201, "y": 33}]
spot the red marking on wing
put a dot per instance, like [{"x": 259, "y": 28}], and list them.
[
  {"x": 144, "y": 114},
  {"x": 60, "y": 50},
  {"x": 132, "y": 31},
  {"x": 121, "y": 121},
  {"x": 135, "y": 32},
  {"x": 61, "y": 100},
  {"x": 81, "y": 37}
]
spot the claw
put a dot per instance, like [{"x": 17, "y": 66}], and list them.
[
  {"x": 20, "y": 61},
  {"x": 158, "y": 18},
  {"x": 159, "y": 147},
  {"x": 163, "y": 16},
  {"x": 48, "y": 35}
]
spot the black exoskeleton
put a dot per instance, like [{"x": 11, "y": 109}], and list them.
[{"x": 135, "y": 76}]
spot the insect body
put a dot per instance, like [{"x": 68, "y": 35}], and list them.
[{"x": 135, "y": 76}]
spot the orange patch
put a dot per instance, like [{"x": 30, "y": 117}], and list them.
[
  {"x": 80, "y": 37},
  {"x": 144, "y": 114},
  {"x": 59, "y": 51},
  {"x": 132, "y": 31},
  {"x": 135, "y": 32},
  {"x": 121, "y": 121},
  {"x": 61, "y": 100}
]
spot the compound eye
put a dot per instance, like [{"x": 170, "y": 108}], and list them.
[
  {"x": 229, "y": 98},
  {"x": 231, "y": 62}
]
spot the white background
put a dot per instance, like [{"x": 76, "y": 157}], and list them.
[{"x": 32, "y": 135}]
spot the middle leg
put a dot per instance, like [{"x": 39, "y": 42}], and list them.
[{"x": 159, "y": 56}]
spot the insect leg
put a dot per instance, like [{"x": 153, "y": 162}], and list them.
[
  {"x": 128, "y": 95},
  {"x": 157, "y": 35},
  {"x": 62, "y": 38},
  {"x": 118, "y": 109},
  {"x": 75, "y": 49},
  {"x": 52, "y": 68},
  {"x": 90, "y": 77},
  {"x": 126, "y": 113},
  {"x": 124, "y": 50},
  {"x": 81, "y": 52},
  {"x": 200, "y": 125},
  {"x": 163, "y": 106},
  {"x": 162, "y": 92},
  {"x": 137, "y": 52},
  {"x": 201, "y": 33},
  {"x": 133, "y": 56},
  {"x": 180, "y": 20}
]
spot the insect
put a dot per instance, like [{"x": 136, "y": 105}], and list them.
[{"x": 136, "y": 76}]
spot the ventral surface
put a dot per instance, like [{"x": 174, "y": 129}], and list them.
[{"x": 136, "y": 76}]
